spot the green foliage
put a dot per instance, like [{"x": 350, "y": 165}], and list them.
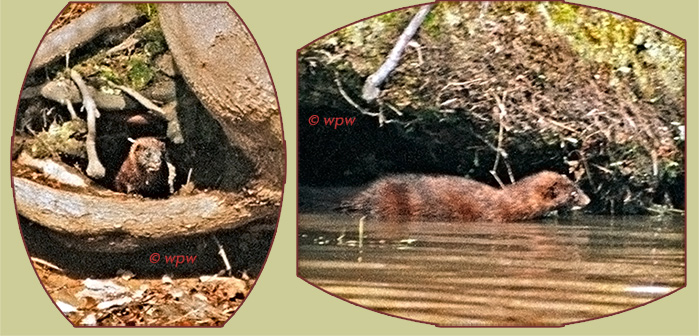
[
  {"x": 615, "y": 41},
  {"x": 564, "y": 14},
  {"x": 107, "y": 74},
  {"x": 64, "y": 139},
  {"x": 153, "y": 40},
  {"x": 149, "y": 9},
  {"x": 389, "y": 18},
  {"x": 140, "y": 72},
  {"x": 596, "y": 35},
  {"x": 431, "y": 25}
]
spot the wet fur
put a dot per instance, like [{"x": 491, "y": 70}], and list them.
[
  {"x": 145, "y": 169},
  {"x": 413, "y": 197}
]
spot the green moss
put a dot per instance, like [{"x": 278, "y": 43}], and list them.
[
  {"x": 431, "y": 25},
  {"x": 564, "y": 14},
  {"x": 596, "y": 35},
  {"x": 61, "y": 139},
  {"x": 153, "y": 39},
  {"x": 140, "y": 73},
  {"x": 149, "y": 9},
  {"x": 106, "y": 73},
  {"x": 388, "y": 18}
]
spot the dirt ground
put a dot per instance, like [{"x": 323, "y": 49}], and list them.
[
  {"x": 130, "y": 301},
  {"x": 139, "y": 289}
]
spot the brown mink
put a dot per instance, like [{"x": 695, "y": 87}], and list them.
[
  {"x": 414, "y": 197},
  {"x": 145, "y": 170}
]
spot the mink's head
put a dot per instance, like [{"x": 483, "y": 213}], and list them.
[
  {"x": 148, "y": 153},
  {"x": 561, "y": 192}
]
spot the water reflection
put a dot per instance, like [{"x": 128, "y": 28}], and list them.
[{"x": 535, "y": 273}]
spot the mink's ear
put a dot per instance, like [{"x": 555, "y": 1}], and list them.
[{"x": 135, "y": 145}]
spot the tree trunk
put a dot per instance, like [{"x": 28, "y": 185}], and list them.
[{"x": 221, "y": 63}]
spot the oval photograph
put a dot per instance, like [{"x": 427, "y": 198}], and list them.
[{"x": 148, "y": 163}]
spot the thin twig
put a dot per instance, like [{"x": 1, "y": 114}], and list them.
[
  {"x": 491, "y": 146},
  {"x": 350, "y": 101},
  {"x": 553, "y": 122},
  {"x": 550, "y": 121},
  {"x": 69, "y": 106},
  {"x": 139, "y": 97},
  {"x": 189, "y": 175},
  {"x": 497, "y": 178},
  {"x": 129, "y": 43},
  {"x": 46, "y": 263},
  {"x": 222, "y": 253},
  {"x": 397, "y": 111},
  {"x": 417, "y": 47},
  {"x": 501, "y": 135},
  {"x": 587, "y": 169},
  {"x": 380, "y": 115},
  {"x": 509, "y": 171},
  {"x": 460, "y": 83}
]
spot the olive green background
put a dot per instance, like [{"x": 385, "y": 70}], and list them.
[{"x": 281, "y": 303}]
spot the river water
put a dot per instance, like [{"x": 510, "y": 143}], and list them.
[{"x": 548, "y": 272}]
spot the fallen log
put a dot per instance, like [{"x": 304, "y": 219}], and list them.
[
  {"x": 82, "y": 30},
  {"x": 65, "y": 91},
  {"x": 116, "y": 223}
]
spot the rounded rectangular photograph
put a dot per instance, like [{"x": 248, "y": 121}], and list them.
[{"x": 470, "y": 164}]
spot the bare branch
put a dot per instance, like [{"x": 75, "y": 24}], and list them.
[
  {"x": 95, "y": 169},
  {"x": 371, "y": 87},
  {"x": 350, "y": 101},
  {"x": 139, "y": 98}
]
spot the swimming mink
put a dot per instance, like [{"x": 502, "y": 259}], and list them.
[{"x": 415, "y": 197}]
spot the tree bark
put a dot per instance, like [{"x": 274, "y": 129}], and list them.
[
  {"x": 223, "y": 66},
  {"x": 85, "y": 28},
  {"x": 118, "y": 223}
]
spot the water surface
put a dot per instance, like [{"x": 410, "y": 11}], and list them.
[{"x": 549, "y": 272}]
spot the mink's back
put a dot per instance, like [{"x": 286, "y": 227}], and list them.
[{"x": 410, "y": 197}]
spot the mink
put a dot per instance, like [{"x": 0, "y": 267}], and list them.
[
  {"x": 422, "y": 197},
  {"x": 145, "y": 170}
]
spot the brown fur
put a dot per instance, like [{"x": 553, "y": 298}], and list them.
[
  {"x": 145, "y": 169},
  {"x": 413, "y": 197}
]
